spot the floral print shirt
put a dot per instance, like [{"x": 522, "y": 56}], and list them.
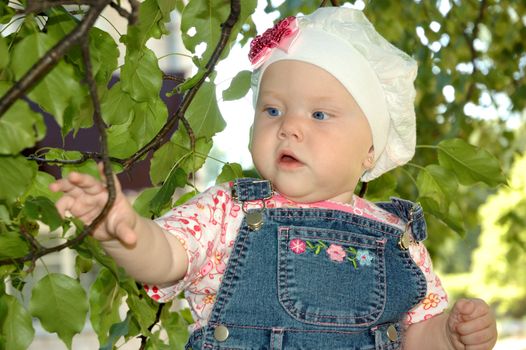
[{"x": 208, "y": 224}]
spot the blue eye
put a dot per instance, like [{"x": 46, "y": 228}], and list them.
[
  {"x": 273, "y": 111},
  {"x": 320, "y": 115}
]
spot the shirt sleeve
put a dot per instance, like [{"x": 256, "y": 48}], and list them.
[
  {"x": 199, "y": 226},
  {"x": 436, "y": 300}
]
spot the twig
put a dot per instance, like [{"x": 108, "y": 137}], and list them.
[
  {"x": 144, "y": 338},
  {"x": 156, "y": 142},
  {"x": 178, "y": 80},
  {"x": 52, "y": 57},
  {"x": 35, "y": 246},
  {"x": 121, "y": 11},
  {"x": 43, "y": 5},
  {"x": 134, "y": 4},
  {"x": 85, "y": 156}
]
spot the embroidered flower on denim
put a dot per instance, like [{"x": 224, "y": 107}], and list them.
[
  {"x": 298, "y": 246},
  {"x": 336, "y": 253},
  {"x": 364, "y": 257}
]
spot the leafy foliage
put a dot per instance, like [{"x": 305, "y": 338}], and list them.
[{"x": 470, "y": 49}]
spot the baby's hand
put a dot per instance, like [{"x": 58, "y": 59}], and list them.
[
  {"x": 471, "y": 325},
  {"x": 85, "y": 197}
]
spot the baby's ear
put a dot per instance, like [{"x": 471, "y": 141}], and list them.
[{"x": 368, "y": 162}]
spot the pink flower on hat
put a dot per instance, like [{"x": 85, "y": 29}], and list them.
[{"x": 281, "y": 36}]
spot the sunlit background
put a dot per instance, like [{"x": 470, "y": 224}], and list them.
[{"x": 231, "y": 145}]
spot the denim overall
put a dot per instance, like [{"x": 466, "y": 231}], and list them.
[{"x": 289, "y": 286}]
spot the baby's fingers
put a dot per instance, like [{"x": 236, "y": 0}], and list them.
[
  {"x": 474, "y": 325},
  {"x": 482, "y": 340},
  {"x": 87, "y": 183},
  {"x": 64, "y": 204}
]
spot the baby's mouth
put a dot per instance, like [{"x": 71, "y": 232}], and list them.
[{"x": 288, "y": 159}]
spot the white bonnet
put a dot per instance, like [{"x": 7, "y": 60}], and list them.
[{"x": 377, "y": 74}]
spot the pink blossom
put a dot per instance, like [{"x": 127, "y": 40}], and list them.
[
  {"x": 297, "y": 246},
  {"x": 281, "y": 35},
  {"x": 336, "y": 252}
]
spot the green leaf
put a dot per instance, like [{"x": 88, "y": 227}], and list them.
[
  {"x": 105, "y": 298},
  {"x": 60, "y": 89},
  {"x": 203, "y": 113},
  {"x": 382, "y": 188},
  {"x": 452, "y": 217},
  {"x": 117, "y": 106},
  {"x": 12, "y": 245},
  {"x": 184, "y": 198},
  {"x": 104, "y": 54},
  {"x": 238, "y": 87},
  {"x": 178, "y": 153},
  {"x": 141, "y": 204},
  {"x": 43, "y": 209},
  {"x": 5, "y": 217},
  {"x": 149, "y": 117},
  {"x": 176, "y": 179},
  {"x": 120, "y": 141},
  {"x": 16, "y": 175},
  {"x": 143, "y": 310},
  {"x": 438, "y": 183},
  {"x": 230, "y": 171},
  {"x": 141, "y": 76},
  {"x": 40, "y": 187},
  {"x": 153, "y": 16},
  {"x": 17, "y": 327},
  {"x": 61, "y": 305},
  {"x": 4, "y": 54},
  {"x": 469, "y": 163},
  {"x": 20, "y": 127},
  {"x": 90, "y": 248},
  {"x": 206, "y": 17},
  {"x": 117, "y": 331},
  {"x": 82, "y": 265}
]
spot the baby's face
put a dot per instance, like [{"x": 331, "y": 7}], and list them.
[{"x": 310, "y": 137}]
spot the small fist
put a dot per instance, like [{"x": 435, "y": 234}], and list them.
[{"x": 471, "y": 325}]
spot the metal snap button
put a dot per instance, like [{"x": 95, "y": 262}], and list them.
[
  {"x": 392, "y": 333},
  {"x": 255, "y": 220},
  {"x": 405, "y": 240},
  {"x": 221, "y": 333}
]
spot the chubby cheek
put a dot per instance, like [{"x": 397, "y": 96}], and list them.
[{"x": 261, "y": 153}]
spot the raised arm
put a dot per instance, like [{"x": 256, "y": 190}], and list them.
[{"x": 137, "y": 244}]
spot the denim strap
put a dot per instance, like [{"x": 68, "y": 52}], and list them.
[
  {"x": 412, "y": 213},
  {"x": 249, "y": 189}
]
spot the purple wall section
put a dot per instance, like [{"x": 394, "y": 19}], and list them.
[{"x": 87, "y": 140}]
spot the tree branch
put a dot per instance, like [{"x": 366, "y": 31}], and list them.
[
  {"x": 159, "y": 139},
  {"x": 37, "y": 250},
  {"x": 178, "y": 80},
  {"x": 52, "y": 57},
  {"x": 85, "y": 156}
]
